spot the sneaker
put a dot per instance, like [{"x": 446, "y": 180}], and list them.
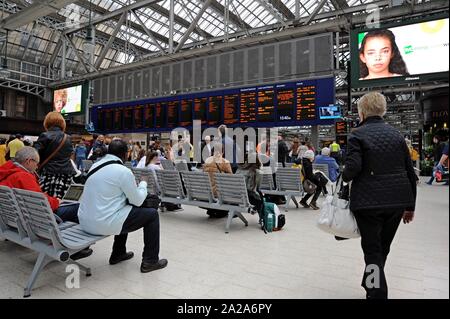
[
  {"x": 314, "y": 206},
  {"x": 147, "y": 267},
  {"x": 117, "y": 259},
  {"x": 82, "y": 254}
]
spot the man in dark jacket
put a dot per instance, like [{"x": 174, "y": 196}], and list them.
[{"x": 383, "y": 189}]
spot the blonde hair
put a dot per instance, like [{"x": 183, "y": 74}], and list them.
[
  {"x": 372, "y": 104},
  {"x": 54, "y": 119}
]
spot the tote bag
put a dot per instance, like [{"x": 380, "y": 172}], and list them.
[{"x": 336, "y": 218}]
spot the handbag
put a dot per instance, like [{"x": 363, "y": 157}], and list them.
[
  {"x": 308, "y": 186},
  {"x": 335, "y": 216},
  {"x": 151, "y": 201}
]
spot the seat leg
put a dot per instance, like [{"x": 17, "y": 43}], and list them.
[
  {"x": 242, "y": 218},
  {"x": 87, "y": 270},
  {"x": 229, "y": 219},
  {"x": 294, "y": 200},
  {"x": 41, "y": 262},
  {"x": 288, "y": 199}
]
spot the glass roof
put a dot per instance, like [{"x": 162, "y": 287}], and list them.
[{"x": 37, "y": 41}]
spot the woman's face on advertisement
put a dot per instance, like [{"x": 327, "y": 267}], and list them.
[
  {"x": 377, "y": 55},
  {"x": 59, "y": 104}
]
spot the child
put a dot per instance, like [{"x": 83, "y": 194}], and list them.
[{"x": 380, "y": 57}]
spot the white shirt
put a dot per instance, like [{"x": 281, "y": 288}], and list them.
[
  {"x": 103, "y": 205},
  {"x": 141, "y": 163}
]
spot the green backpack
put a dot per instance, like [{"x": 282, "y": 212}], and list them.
[{"x": 271, "y": 219}]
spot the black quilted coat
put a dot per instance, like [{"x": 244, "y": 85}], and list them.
[{"x": 380, "y": 167}]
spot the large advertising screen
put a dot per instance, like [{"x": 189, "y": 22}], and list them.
[
  {"x": 400, "y": 53},
  {"x": 68, "y": 100}
]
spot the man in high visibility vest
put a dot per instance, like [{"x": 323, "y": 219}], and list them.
[{"x": 335, "y": 149}]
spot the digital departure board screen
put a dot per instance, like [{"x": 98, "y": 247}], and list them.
[
  {"x": 230, "y": 108},
  {"x": 303, "y": 102},
  {"x": 108, "y": 117},
  {"x": 214, "y": 110},
  {"x": 100, "y": 120},
  {"x": 201, "y": 109},
  {"x": 137, "y": 116},
  {"x": 286, "y": 104},
  {"x": 341, "y": 128},
  {"x": 266, "y": 104},
  {"x": 118, "y": 119},
  {"x": 172, "y": 114},
  {"x": 149, "y": 115},
  {"x": 127, "y": 118},
  {"x": 248, "y": 105},
  {"x": 186, "y": 112},
  {"x": 306, "y": 102},
  {"x": 160, "y": 115}
]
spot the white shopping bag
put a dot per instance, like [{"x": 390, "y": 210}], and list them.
[{"x": 336, "y": 218}]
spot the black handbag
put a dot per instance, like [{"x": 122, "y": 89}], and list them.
[
  {"x": 308, "y": 186},
  {"x": 151, "y": 201}
]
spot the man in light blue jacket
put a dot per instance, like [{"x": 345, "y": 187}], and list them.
[{"x": 106, "y": 208}]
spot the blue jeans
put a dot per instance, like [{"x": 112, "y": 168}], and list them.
[
  {"x": 68, "y": 213},
  {"x": 147, "y": 218},
  {"x": 79, "y": 162}
]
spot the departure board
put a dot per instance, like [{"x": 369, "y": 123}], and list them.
[
  {"x": 266, "y": 105},
  {"x": 230, "y": 108},
  {"x": 248, "y": 106},
  {"x": 306, "y": 102},
  {"x": 286, "y": 104},
  {"x": 172, "y": 114},
  {"x": 127, "y": 118},
  {"x": 279, "y": 104},
  {"x": 341, "y": 128},
  {"x": 137, "y": 116},
  {"x": 118, "y": 119},
  {"x": 214, "y": 110},
  {"x": 149, "y": 115},
  {"x": 160, "y": 115},
  {"x": 200, "y": 109},
  {"x": 108, "y": 117},
  {"x": 100, "y": 120},
  {"x": 186, "y": 113}
]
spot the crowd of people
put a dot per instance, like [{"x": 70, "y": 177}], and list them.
[{"x": 381, "y": 195}]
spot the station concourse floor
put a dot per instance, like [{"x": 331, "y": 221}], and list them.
[{"x": 300, "y": 261}]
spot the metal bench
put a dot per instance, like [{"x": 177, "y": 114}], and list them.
[
  {"x": 289, "y": 184},
  {"x": 30, "y": 214},
  {"x": 152, "y": 185},
  {"x": 199, "y": 193},
  {"x": 128, "y": 165},
  {"x": 181, "y": 166},
  {"x": 167, "y": 165},
  {"x": 324, "y": 169}
]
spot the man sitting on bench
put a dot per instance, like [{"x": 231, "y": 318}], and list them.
[
  {"x": 21, "y": 173},
  {"x": 110, "y": 206}
]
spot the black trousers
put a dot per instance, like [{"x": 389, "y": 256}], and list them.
[
  {"x": 377, "y": 229},
  {"x": 147, "y": 218},
  {"x": 316, "y": 195}
]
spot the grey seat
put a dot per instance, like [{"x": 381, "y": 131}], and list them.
[
  {"x": 152, "y": 185},
  {"x": 167, "y": 165},
  {"x": 232, "y": 196},
  {"x": 289, "y": 184},
  {"x": 181, "y": 166},
  {"x": 37, "y": 229}
]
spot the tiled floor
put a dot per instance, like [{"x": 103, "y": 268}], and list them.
[{"x": 298, "y": 262}]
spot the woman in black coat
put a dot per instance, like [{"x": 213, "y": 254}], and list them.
[
  {"x": 307, "y": 170},
  {"x": 56, "y": 175},
  {"x": 383, "y": 189}
]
